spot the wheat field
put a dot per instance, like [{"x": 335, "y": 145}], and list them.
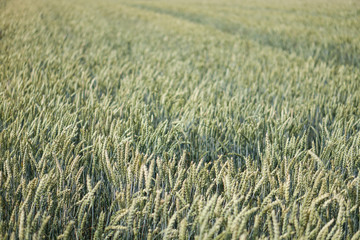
[{"x": 179, "y": 119}]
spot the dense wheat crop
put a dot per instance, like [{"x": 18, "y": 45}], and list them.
[{"x": 179, "y": 119}]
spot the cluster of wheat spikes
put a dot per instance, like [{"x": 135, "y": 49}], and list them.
[{"x": 179, "y": 120}]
